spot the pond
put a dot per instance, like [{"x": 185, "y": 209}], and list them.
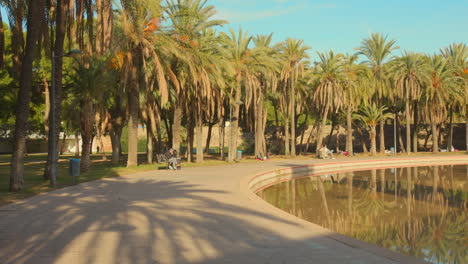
[{"x": 419, "y": 211}]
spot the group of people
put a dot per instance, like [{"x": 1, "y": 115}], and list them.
[
  {"x": 172, "y": 160},
  {"x": 326, "y": 153}
]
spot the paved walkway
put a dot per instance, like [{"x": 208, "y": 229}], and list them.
[{"x": 196, "y": 215}]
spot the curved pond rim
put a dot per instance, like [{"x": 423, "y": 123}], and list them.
[
  {"x": 267, "y": 179},
  {"x": 250, "y": 183}
]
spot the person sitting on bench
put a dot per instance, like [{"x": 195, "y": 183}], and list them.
[
  {"x": 325, "y": 153},
  {"x": 171, "y": 156}
]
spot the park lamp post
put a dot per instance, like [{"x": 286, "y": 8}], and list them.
[
  {"x": 230, "y": 157},
  {"x": 53, "y": 131}
]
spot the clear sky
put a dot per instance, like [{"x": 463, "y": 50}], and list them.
[{"x": 420, "y": 26}]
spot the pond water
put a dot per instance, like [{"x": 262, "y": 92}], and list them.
[{"x": 419, "y": 211}]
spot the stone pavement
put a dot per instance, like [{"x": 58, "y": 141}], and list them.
[{"x": 196, "y": 215}]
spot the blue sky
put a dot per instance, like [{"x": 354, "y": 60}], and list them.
[{"x": 420, "y": 26}]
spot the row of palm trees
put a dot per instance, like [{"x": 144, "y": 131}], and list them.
[{"x": 164, "y": 64}]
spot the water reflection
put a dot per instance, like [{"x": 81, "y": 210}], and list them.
[{"x": 420, "y": 211}]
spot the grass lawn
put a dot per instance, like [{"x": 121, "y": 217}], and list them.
[{"x": 34, "y": 169}]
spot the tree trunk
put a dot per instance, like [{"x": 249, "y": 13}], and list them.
[
  {"x": 190, "y": 138},
  {"x": 349, "y": 131},
  {"x": 133, "y": 110},
  {"x": 47, "y": 107},
  {"x": 222, "y": 132},
  {"x": 450, "y": 136},
  {"x": 176, "y": 127},
  {"x": 322, "y": 129},
  {"x": 77, "y": 145},
  {"x": 208, "y": 137},
  {"x": 362, "y": 139},
  {"x": 199, "y": 126},
  {"x": 415, "y": 128},
  {"x": 373, "y": 133},
  {"x": 149, "y": 145},
  {"x": 331, "y": 134},
  {"x": 115, "y": 134},
  {"x": 293, "y": 118},
  {"x": 287, "y": 151},
  {"x": 87, "y": 124},
  {"x": 24, "y": 96},
  {"x": 435, "y": 136},
  {"x": 382, "y": 136},
  {"x": 408, "y": 127},
  {"x": 235, "y": 124}
]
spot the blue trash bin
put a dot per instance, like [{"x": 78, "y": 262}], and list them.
[
  {"x": 74, "y": 168},
  {"x": 239, "y": 154}
]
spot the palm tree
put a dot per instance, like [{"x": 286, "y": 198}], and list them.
[
  {"x": 238, "y": 53},
  {"x": 457, "y": 57},
  {"x": 267, "y": 82},
  {"x": 35, "y": 12},
  {"x": 140, "y": 22},
  {"x": 329, "y": 77},
  {"x": 377, "y": 49},
  {"x": 294, "y": 58},
  {"x": 354, "y": 93},
  {"x": 90, "y": 82},
  {"x": 371, "y": 115},
  {"x": 441, "y": 89},
  {"x": 409, "y": 74}
]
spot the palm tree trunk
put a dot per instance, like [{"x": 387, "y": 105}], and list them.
[
  {"x": 287, "y": 151},
  {"x": 235, "y": 124},
  {"x": 321, "y": 132},
  {"x": 190, "y": 138},
  {"x": 415, "y": 128},
  {"x": 115, "y": 134},
  {"x": 331, "y": 134},
  {"x": 36, "y": 8},
  {"x": 293, "y": 118},
  {"x": 208, "y": 137},
  {"x": 362, "y": 139},
  {"x": 382, "y": 136},
  {"x": 349, "y": 131},
  {"x": 149, "y": 145},
  {"x": 133, "y": 109},
  {"x": 435, "y": 136},
  {"x": 408, "y": 126},
  {"x": 87, "y": 124},
  {"x": 373, "y": 133},
  {"x": 450, "y": 137},
  {"x": 77, "y": 144},
  {"x": 199, "y": 133},
  {"x": 222, "y": 135},
  {"x": 176, "y": 127}
]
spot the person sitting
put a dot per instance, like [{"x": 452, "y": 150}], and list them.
[
  {"x": 325, "y": 153},
  {"x": 172, "y": 161}
]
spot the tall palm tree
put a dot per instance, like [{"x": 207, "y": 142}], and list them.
[
  {"x": 353, "y": 92},
  {"x": 371, "y": 116},
  {"x": 457, "y": 57},
  {"x": 294, "y": 58},
  {"x": 266, "y": 74},
  {"x": 441, "y": 89},
  {"x": 36, "y": 10},
  {"x": 329, "y": 77},
  {"x": 238, "y": 53},
  {"x": 409, "y": 72},
  {"x": 140, "y": 23},
  {"x": 377, "y": 49}
]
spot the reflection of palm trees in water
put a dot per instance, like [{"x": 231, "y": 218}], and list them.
[{"x": 429, "y": 221}]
